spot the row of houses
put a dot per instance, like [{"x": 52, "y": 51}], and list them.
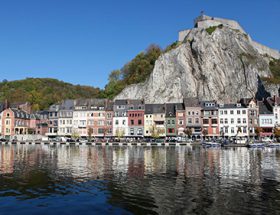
[{"x": 134, "y": 118}]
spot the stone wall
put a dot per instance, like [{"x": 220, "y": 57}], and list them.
[
  {"x": 183, "y": 34},
  {"x": 266, "y": 50},
  {"x": 216, "y": 22}
]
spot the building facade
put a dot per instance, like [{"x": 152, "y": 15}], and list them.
[
  {"x": 135, "y": 115},
  {"x": 210, "y": 124},
  {"x": 233, "y": 120}
]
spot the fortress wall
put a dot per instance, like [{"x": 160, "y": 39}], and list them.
[
  {"x": 183, "y": 34},
  {"x": 266, "y": 50},
  {"x": 229, "y": 23}
]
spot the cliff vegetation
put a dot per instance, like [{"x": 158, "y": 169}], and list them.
[{"x": 274, "y": 66}]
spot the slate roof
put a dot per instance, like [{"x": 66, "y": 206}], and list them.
[
  {"x": 120, "y": 102},
  {"x": 20, "y": 114},
  {"x": 246, "y": 101},
  {"x": 191, "y": 102},
  {"x": 89, "y": 103},
  {"x": 231, "y": 106},
  {"x": 54, "y": 107},
  {"x": 264, "y": 108},
  {"x": 171, "y": 108},
  {"x": 109, "y": 106},
  {"x": 154, "y": 108},
  {"x": 205, "y": 107},
  {"x": 135, "y": 102},
  {"x": 2, "y": 107},
  {"x": 67, "y": 105}
]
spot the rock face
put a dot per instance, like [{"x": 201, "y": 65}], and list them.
[{"x": 222, "y": 65}]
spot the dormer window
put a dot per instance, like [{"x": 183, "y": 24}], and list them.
[
  {"x": 238, "y": 105},
  {"x": 8, "y": 114}
]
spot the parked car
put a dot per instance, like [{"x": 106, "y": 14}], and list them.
[{"x": 266, "y": 139}]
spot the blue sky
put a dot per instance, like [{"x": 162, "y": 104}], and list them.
[{"x": 82, "y": 41}]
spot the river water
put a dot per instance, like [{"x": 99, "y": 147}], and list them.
[{"x": 43, "y": 179}]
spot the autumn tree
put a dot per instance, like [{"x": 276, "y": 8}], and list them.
[
  {"x": 90, "y": 132},
  {"x": 188, "y": 132},
  {"x": 258, "y": 131}
]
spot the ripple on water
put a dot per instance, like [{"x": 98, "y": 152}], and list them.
[{"x": 138, "y": 180}]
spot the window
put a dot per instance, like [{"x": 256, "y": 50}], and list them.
[
  {"x": 214, "y": 121},
  {"x": 132, "y": 122},
  {"x": 170, "y": 130},
  {"x": 243, "y": 111},
  {"x": 238, "y": 121},
  {"x": 244, "y": 130},
  {"x": 221, "y": 112},
  {"x": 123, "y": 122},
  {"x": 189, "y": 120},
  {"x": 231, "y": 112},
  {"x": 131, "y": 131},
  {"x": 232, "y": 120},
  {"x": 221, "y": 121},
  {"x": 226, "y": 121},
  {"x": 226, "y": 129},
  {"x": 180, "y": 122},
  {"x": 238, "y": 111},
  {"x": 173, "y": 122},
  {"x": 117, "y": 122},
  {"x": 168, "y": 122},
  {"x": 232, "y": 130},
  {"x": 139, "y": 131},
  {"x": 139, "y": 122},
  {"x": 225, "y": 112},
  {"x": 100, "y": 131},
  {"x": 196, "y": 120},
  {"x": 244, "y": 120},
  {"x": 205, "y": 121}
]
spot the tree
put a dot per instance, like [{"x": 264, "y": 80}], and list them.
[
  {"x": 120, "y": 133},
  {"x": 75, "y": 134},
  {"x": 276, "y": 132},
  {"x": 204, "y": 132},
  {"x": 258, "y": 131},
  {"x": 156, "y": 132},
  {"x": 188, "y": 131},
  {"x": 238, "y": 130},
  {"x": 90, "y": 132}
]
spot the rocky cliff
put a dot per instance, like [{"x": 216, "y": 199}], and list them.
[{"x": 220, "y": 63}]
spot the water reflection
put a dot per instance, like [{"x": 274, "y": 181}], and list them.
[{"x": 138, "y": 180}]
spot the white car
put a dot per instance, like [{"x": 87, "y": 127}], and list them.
[{"x": 266, "y": 139}]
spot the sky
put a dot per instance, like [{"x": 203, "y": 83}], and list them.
[{"x": 82, "y": 41}]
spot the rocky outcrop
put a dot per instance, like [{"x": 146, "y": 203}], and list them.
[{"x": 222, "y": 65}]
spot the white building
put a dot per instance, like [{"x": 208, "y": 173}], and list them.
[
  {"x": 120, "y": 126},
  {"x": 65, "y": 118},
  {"x": 266, "y": 118},
  {"x": 80, "y": 118},
  {"x": 120, "y": 120},
  {"x": 233, "y": 120}
]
